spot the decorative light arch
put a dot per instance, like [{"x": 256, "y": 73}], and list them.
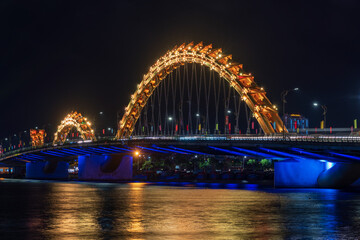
[
  {"x": 254, "y": 96},
  {"x": 74, "y": 120}
]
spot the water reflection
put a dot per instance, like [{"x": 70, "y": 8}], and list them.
[
  {"x": 57, "y": 210},
  {"x": 72, "y": 210}
]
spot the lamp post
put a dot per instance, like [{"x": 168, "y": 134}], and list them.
[
  {"x": 227, "y": 119},
  {"x": 324, "y": 108},
  {"x": 197, "y": 123},
  {"x": 170, "y": 119},
  {"x": 137, "y": 153},
  {"x": 283, "y": 98}
]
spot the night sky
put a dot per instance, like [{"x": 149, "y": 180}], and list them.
[{"x": 58, "y": 56}]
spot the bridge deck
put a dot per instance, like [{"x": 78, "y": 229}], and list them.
[{"x": 327, "y": 148}]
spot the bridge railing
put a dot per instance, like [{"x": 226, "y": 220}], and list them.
[
  {"x": 249, "y": 138},
  {"x": 277, "y": 138}
]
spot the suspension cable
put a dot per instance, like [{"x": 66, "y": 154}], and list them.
[
  {"x": 166, "y": 93},
  {"x": 190, "y": 88},
  {"x": 217, "y": 100},
  {"x": 145, "y": 129},
  {"x": 198, "y": 90},
  {"x": 152, "y": 100},
  {"x": 237, "y": 105},
  {"x": 207, "y": 99},
  {"x": 248, "y": 117},
  {"x": 181, "y": 108},
  {"x": 173, "y": 88}
]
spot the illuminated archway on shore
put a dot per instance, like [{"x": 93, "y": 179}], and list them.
[
  {"x": 254, "y": 96},
  {"x": 77, "y": 121}
]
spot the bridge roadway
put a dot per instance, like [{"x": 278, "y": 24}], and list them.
[
  {"x": 332, "y": 148},
  {"x": 300, "y": 161}
]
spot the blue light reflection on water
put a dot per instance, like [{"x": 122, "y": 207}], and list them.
[
  {"x": 232, "y": 186},
  {"x": 200, "y": 184},
  {"x": 211, "y": 185},
  {"x": 251, "y": 186},
  {"x": 314, "y": 209},
  {"x": 215, "y": 185}
]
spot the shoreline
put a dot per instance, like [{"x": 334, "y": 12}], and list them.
[{"x": 211, "y": 184}]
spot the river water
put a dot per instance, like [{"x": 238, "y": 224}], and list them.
[{"x": 79, "y": 210}]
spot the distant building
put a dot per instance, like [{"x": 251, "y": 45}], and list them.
[{"x": 295, "y": 121}]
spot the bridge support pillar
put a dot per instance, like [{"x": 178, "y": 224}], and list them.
[
  {"x": 340, "y": 175},
  {"x": 298, "y": 173},
  {"x": 47, "y": 170},
  {"x": 105, "y": 167},
  {"x": 315, "y": 173}
]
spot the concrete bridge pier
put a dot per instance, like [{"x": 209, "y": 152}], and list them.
[
  {"x": 340, "y": 175},
  {"x": 315, "y": 174},
  {"x": 47, "y": 170},
  {"x": 105, "y": 167}
]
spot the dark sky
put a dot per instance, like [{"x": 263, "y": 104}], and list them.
[{"x": 89, "y": 56}]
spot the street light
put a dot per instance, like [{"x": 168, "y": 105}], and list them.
[
  {"x": 324, "y": 108},
  {"x": 137, "y": 153},
  {"x": 283, "y": 98}
]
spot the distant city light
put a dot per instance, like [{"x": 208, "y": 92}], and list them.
[
  {"x": 315, "y": 104},
  {"x": 170, "y": 118},
  {"x": 296, "y": 89},
  {"x": 198, "y": 115},
  {"x": 229, "y": 111},
  {"x": 101, "y": 113}
]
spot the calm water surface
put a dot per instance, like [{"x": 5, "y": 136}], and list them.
[{"x": 75, "y": 210}]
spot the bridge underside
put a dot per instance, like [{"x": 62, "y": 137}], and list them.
[
  {"x": 47, "y": 170},
  {"x": 313, "y": 173},
  {"x": 305, "y": 165},
  {"x": 105, "y": 167}
]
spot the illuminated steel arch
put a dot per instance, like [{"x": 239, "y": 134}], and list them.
[
  {"x": 74, "y": 120},
  {"x": 255, "y": 97}
]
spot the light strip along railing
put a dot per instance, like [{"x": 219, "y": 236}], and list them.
[
  {"x": 256, "y": 138},
  {"x": 277, "y": 138},
  {"x": 49, "y": 146}
]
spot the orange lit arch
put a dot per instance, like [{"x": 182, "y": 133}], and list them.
[
  {"x": 74, "y": 120},
  {"x": 255, "y": 97}
]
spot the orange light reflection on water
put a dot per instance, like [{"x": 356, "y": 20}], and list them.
[
  {"x": 73, "y": 208},
  {"x": 141, "y": 210}
]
